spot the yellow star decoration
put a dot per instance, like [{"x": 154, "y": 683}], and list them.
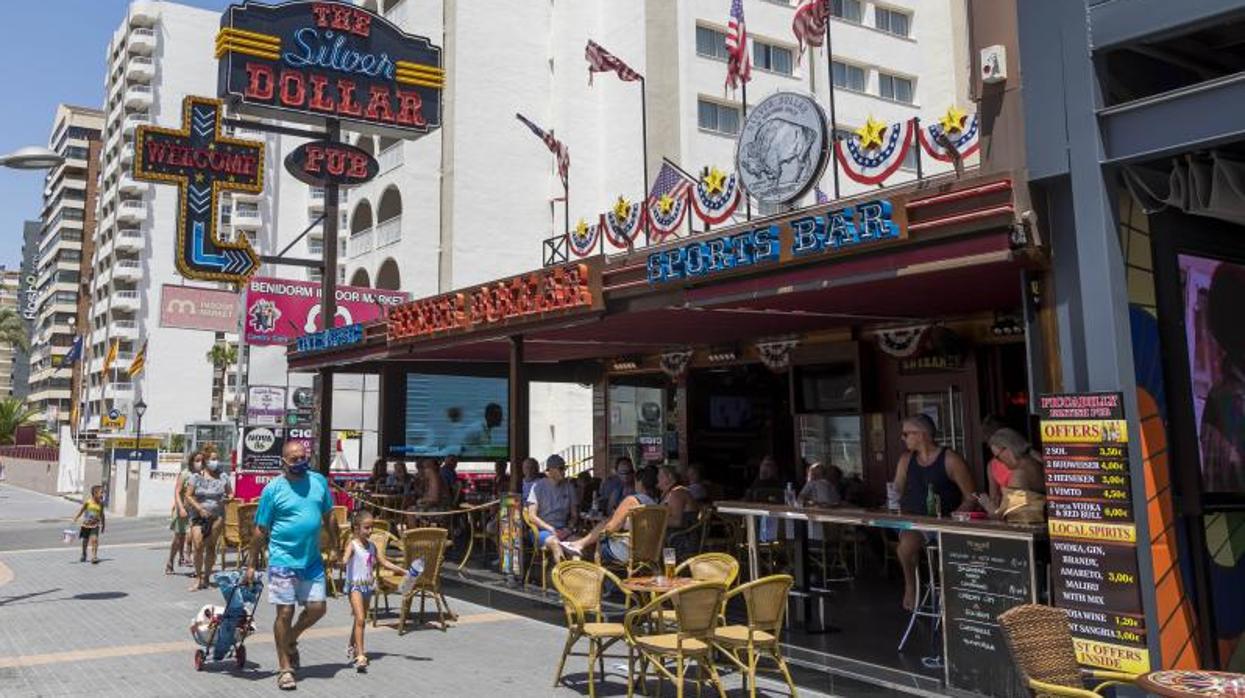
[
  {"x": 953, "y": 120},
  {"x": 665, "y": 204},
  {"x": 715, "y": 181},
  {"x": 198, "y": 178},
  {"x": 622, "y": 208},
  {"x": 581, "y": 228},
  {"x": 871, "y": 133}
]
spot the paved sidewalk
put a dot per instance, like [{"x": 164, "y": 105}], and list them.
[
  {"x": 17, "y": 504},
  {"x": 120, "y": 629}
]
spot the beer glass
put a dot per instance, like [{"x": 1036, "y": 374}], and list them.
[{"x": 668, "y": 556}]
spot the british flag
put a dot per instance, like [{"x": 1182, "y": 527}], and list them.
[
  {"x": 738, "y": 62},
  {"x": 602, "y": 61},
  {"x": 809, "y": 25},
  {"x": 555, "y": 146},
  {"x": 667, "y": 202}
]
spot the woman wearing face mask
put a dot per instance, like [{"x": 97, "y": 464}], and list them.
[
  {"x": 181, "y": 515},
  {"x": 205, "y": 495}
]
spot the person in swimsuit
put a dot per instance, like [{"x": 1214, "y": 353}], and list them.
[
  {"x": 926, "y": 466},
  {"x": 92, "y": 515},
  {"x": 360, "y": 559}
]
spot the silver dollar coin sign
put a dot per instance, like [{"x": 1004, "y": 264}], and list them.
[{"x": 782, "y": 149}]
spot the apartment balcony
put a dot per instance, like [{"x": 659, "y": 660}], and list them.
[
  {"x": 360, "y": 243},
  {"x": 121, "y": 391},
  {"x": 144, "y": 13},
  {"x": 130, "y": 239},
  {"x": 102, "y": 279},
  {"x": 389, "y": 232},
  {"x": 132, "y": 212},
  {"x": 124, "y": 329},
  {"x": 126, "y": 300},
  {"x": 128, "y": 269},
  {"x": 133, "y": 121},
  {"x": 142, "y": 41},
  {"x": 129, "y": 185},
  {"x": 127, "y": 154},
  {"x": 246, "y": 216},
  {"x": 390, "y": 157},
  {"x": 140, "y": 68},
  {"x": 315, "y": 199},
  {"x": 138, "y": 96}
]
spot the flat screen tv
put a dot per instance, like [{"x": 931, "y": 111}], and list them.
[
  {"x": 827, "y": 388},
  {"x": 464, "y": 416}
]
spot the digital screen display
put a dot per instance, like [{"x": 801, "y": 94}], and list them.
[
  {"x": 1211, "y": 290},
  {"x": 464, "y": 416}
]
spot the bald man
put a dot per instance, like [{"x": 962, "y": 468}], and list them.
[{"x": 292, "y": 509}]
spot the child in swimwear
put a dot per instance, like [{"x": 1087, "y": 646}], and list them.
[
  {"x": 360, "y": 559},
  {"x": 92, "y": 515}
]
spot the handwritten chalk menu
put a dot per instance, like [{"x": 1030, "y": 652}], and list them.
[
  {"x": 983, "y": 577},
  {"x": 1093, "y": 539}
]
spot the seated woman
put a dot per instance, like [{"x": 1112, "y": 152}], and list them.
[
  {"x": 767, "y": 487},
  {"x": 1023, "y": 500},
  {"x": 684, "y": 511},
  {"x": 618, "y": 548},
  {"x": 433, "y": 495},
  {"x": 695, "y": 479},
  {"x": 379, "y": 476},
  {"x": 821, "y": 489}
]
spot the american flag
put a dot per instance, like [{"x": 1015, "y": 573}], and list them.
[
  {"x": 738, "y": 62},
  {"x": 670, "y": 180},
  {"x": 809, "y": 24},
  {"x": 555, "y": 146},
  {"x": 602, "y": 61}
]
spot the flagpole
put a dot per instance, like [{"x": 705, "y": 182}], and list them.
[
  {"x": 834, "y": 125},
  {"x": 644, "y": 142},
  {"x": 747, "y": 196}
]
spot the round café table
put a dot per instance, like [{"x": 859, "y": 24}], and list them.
[
  {"x": 653, "y": 587},
  {"x": 1182, "y": 684}
]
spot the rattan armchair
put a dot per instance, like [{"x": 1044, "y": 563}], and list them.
[
  {"x": 427, "y": 544},
  {"x": 538, "y": 550},
  {"x": 239, "y": 523},
  {"x": 580, "y": 584},
  {"x": 1041, "y": 644},
  {"x": 696, "y": 608},
  {"x": 387, "y": 582},
  {"x": 766, "y": 602},
  {"x": 646, "y": 526},
  {"x": 706, "y": 567}
]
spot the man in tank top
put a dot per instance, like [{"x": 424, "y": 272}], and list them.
[{"x": 924, "y": 468}]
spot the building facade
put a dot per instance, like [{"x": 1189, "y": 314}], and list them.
[
  {"x": 68, "y": 217},
  {"x": 28, "y": 302},
  {"x": 10, "y": 354}
]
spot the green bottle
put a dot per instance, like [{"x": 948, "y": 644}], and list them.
[{"x": 931, "y": 501}]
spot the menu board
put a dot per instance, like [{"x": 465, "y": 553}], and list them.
[
  {"x": 1093, "y": 539},
  {"x": 983, "y": 577}
]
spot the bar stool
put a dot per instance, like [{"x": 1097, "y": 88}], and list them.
[{"x": 929, "y": 597}]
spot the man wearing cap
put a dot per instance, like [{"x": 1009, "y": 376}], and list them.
[{"x": 551, "y": 506}]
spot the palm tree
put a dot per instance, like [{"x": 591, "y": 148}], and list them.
[
  {"x": 14, "y": 413},
  {"x": 222, "y": 355},
  {"x": 13, "y": 330}
]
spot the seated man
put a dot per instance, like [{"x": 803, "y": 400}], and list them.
[
  {"x": 551, "y": 506},
  {"x": 618, "y": 485},
  {"x": 820, "y": 491}
]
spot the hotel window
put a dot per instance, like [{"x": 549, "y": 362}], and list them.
[
  {"x": 847, "y": 9},
  {"x": 891, "y": 21},
  {"x": 849, "y": 76},
  {"x": 895, "y": 87},
  {"x": 773, "y": 58},
  {"x": 720, "y": 118},
  {"x": 710, "y": 43}
]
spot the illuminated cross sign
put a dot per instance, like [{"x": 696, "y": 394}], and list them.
[{"x": 202, "y": 163}]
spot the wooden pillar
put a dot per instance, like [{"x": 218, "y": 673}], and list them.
[
  {"x": 517, "y": 396},
  {"x": 324, "y": 434},
  {"x": 391, "y": 408}
]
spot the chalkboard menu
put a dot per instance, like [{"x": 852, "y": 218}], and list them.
[
  {"x": 1093, "y": 539},
  {"x": 981, "y": 578}
]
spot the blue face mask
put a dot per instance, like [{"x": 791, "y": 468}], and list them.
[
  {"x": 299, "y": 468},
  {"x": 213, "y": 465}
]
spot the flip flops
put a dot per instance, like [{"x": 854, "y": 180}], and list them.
[{"x": 285, "y": 680}]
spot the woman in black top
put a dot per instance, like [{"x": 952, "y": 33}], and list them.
[{"x": 926, "y": 465}]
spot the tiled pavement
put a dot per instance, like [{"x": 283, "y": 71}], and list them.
[{"x": 120, "y": 629}]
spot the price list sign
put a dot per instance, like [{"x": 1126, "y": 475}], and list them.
[{"x": 1093, "y": 539}]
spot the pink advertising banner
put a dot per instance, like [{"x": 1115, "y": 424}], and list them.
[
  {"x": 191, "y": 308},
  {"x": 278, "y": 311}
]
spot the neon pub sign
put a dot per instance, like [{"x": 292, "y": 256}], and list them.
[
  {"x": 315, "y": 60},
  {"x": 832, "y": 231}
]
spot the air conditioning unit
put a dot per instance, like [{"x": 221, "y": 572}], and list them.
[{"x": 993, "y": 64}]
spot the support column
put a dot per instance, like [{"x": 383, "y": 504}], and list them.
[
  {"x": 391, "y": 406},
  {"x": 324, "y": 433},
  {"x": 517, "y": 397}
]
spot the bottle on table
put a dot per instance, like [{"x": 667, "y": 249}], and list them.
[
  {"x": 931, "y": 501},
  {"x": 789, "y": 495}
]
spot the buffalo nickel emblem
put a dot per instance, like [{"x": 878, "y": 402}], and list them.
[{"x": 782, "y": 149}]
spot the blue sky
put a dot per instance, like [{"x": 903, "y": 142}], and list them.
[{"x": 54, "y": 52}]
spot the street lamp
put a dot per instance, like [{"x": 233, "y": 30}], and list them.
[
  {"x": 140, "y": 408},
  {"x": 32, "y": 157}
]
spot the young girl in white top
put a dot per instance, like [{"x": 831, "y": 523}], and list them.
[{"x": 360, "y": 559}]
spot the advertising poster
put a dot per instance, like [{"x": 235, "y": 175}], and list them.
[
  {"x": 265, "y": 405},
  {"x": 1085, "y": 444},
  {"x": 193, "y": 308},
  {"x": 279, "y": 311},
  {"x": 261, "y": 447}
]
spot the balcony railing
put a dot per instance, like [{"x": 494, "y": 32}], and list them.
[
  {"x": 389, "y": 232},
  {"x": 390, "y": 157},
  {"x": 360, "y": 243}
]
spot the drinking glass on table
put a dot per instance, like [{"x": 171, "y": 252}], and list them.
[{"x": 669, "y": 558}]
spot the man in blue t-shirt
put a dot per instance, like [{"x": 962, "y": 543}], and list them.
[{"x": 292, "y": 508}]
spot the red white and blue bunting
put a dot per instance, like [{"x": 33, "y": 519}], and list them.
[
  {"x": 874, "y": 151},
  {"x": 622, "y": 223},
  {"x": 715, "y": 197},
  {"x": 583, "y": 238},
  {"x": 665, "y": 214},
  {"x": 955, "y": 130}
]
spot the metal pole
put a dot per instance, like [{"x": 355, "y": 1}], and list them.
[
  {"x": 747, "y": 196},
  {"x": 834, "y": 123},
  {"x": 328, "y": 303},
  {"x": 644, "y": 142},
  {"x": 916, "y": 127}
]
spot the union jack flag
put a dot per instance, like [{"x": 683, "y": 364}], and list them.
[
  {"x": 602, "y": 61},
  {"x": 809, "y": 25},
  {"x": 738, "y": 62},
  {"x": 555, "y": 146}
]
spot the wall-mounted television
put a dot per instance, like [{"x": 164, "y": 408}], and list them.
[
  {"x": 463, "y": 416},
  {"x": 827, "y": 388}
]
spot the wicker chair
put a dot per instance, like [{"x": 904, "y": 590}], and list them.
[
  {"x": 647, "y": 530},
  {"x": 766, "y": 601},
  {"x": 1041, "y": 644},
  {"x": 427, "y": 544},
  {"x": 342, "y": 514},
  {"x": 330, "y": 557},
  {"x": 706, "y": 567},
  {"x": 387, "y": 582},
  {"x": 537, "y": 551},
  {"x": 580, "y": 584},
  {"x": 696, "y": 607},
  {"x": 239, "y": 523}
]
